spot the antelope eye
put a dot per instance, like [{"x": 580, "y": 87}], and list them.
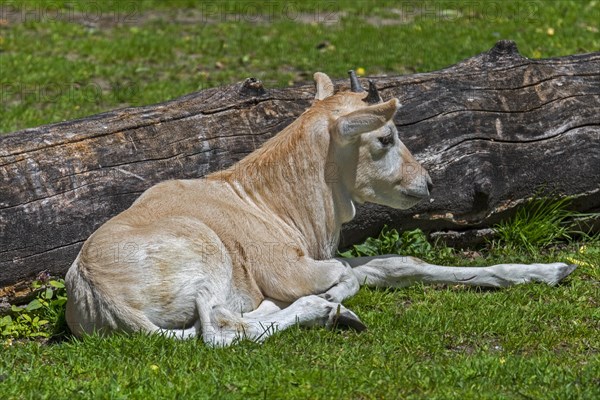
[{"x": 386, "y": 140}]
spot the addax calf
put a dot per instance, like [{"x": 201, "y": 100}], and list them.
[{"x": 250, "y": 250}]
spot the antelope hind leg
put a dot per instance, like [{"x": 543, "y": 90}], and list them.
[
  {"x": 401, "y": 271},
  {"x": 221, "y": 327}
]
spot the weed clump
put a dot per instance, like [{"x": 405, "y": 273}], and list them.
[
  {"x": 42, "y": 317},
  {"x": 408, "y": 243},
  {"x": 542, "y": 222}
]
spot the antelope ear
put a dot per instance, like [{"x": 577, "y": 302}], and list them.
[
  {"x": 365, "y": 120},
  {"x": 324, "y": 86}
]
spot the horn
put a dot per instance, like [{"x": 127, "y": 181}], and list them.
[
  {"x": 373, "y": 96},
  {"x": 354, "y": 83}
]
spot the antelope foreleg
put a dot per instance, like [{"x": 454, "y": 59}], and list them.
[{"x": 401, "y": 271}]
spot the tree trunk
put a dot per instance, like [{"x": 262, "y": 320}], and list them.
[{"x": 492, "y": 130}]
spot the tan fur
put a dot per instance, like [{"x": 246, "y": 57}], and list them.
[{"x": 253, "y": 231}]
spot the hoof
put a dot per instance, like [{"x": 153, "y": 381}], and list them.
[
  {"x": 347, "y": 320},
  {"x": 566, "y": 271},
  {"x": 554, "y": 273}
]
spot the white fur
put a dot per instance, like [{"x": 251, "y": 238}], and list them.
[{"x": 249, "y": 251}]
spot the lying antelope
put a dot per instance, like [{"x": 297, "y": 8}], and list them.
[{"x": 250, "y": 250}]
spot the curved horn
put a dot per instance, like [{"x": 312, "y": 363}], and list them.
[
  {"x": 373, "y": 96},
  {"x": 355, "y": 85}
]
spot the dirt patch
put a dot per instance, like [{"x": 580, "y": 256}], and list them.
[
  {"x": 96, "y": 17},
  {"x": 15, "y": 294},
  {"x": 408, "y": 14},
  {"x": 128, "y": 14},
  {"x": 20, "y": 293}
]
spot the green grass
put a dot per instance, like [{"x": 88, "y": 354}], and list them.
[
  {"x": 529, "y": 341},
  {"x": 97, "y": 56}
]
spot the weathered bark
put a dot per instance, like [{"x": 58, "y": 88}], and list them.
[{"x": 491, "y": 130}]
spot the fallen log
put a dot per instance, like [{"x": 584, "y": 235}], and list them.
[{"x": 491, "y": 130}]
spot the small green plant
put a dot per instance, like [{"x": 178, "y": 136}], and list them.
[
  {"x": 41, "y": 317},
  {"x": 541, "y": 222},
  {"x": 389, "y": 241}
]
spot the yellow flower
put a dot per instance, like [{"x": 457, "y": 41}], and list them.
[
  {"x": 154, "y": 367},
  {"x": 360, "y": 71},
  {"x": 502, "y": 360},
  {"x": 578, "y": 262},
  {"x": 550, "y": 31}
]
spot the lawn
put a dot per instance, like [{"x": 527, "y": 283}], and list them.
[
  {"x": 66, "y": 59},
  {"x": 528, "y": 341},
  {"x": 88, "y": 57}
]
